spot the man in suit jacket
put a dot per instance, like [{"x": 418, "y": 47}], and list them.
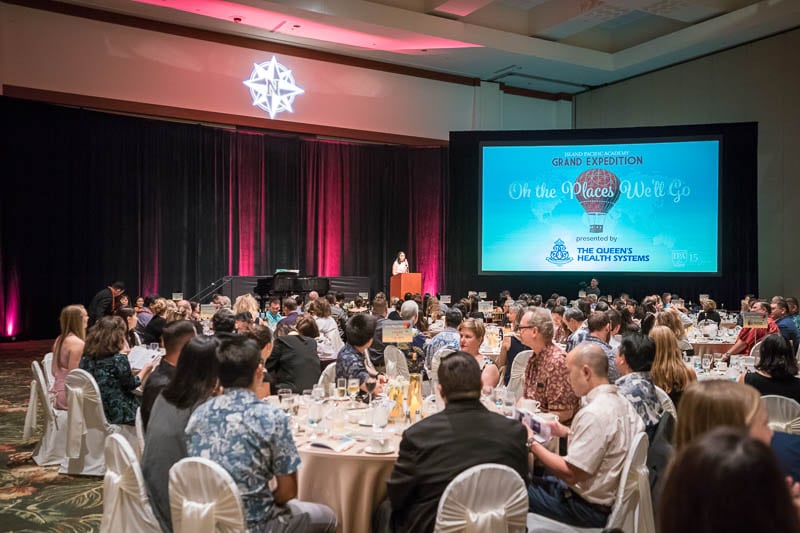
[
  {"x": 103, "y": 302},
  {"x": 438, "y": 448}
]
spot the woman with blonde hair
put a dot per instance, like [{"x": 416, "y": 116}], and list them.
[
  {"x": 708, "y": 404},
  {"x": 246, "y": 303},
  {"x": 67, "y": 349},
  {"x": 154, "y": 328},
  {"x": 669, "y": 372},
  {"x": 709, "y": 312},
  {"x": 670, "y": 318},
  {"x": 471, "y": 333}
]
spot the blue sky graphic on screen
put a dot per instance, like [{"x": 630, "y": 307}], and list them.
[{"x": 635, "y": 207}]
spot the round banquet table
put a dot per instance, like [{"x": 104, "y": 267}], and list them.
[
  {"x": 351, "y": 482},
  {"x": 712, "y": 347}
]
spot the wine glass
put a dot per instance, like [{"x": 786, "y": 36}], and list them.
[
  {"x": 353, "y": 384},
  {"x": 706, "y": 362},
  {"x": 370, "y": 384}
]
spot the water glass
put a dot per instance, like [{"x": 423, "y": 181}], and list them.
[
  {"x": 706, "y": 362},
  {"x": 341, "y": 388},
  {"x": 380, "y": 414},
  {"x": 318, "y": 392},
  {"x": 509, "y": 402},
  {"x": 337, "y": 419}
]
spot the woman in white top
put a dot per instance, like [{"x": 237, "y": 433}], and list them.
[
  {"x": 329, "y": 342},
  {"x": 400, "y": 265}
]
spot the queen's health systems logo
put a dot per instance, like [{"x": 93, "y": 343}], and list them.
[
  {"x": 272, "y": 87},
  {"x": 559, "y": 255}
]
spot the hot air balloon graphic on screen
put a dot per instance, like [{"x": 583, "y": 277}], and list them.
[{"x": 597, "y": 191}]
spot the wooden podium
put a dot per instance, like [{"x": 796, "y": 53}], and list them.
[{"x": 402, "y": 283}]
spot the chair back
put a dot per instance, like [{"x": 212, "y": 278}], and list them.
[
  {"x": 47, "y": 365},
  {"x": 782, "y": 412},
  {"x": 328, "y": 377},
  {"x": 755, "y": 351},
  {"x": 394, "y": 357},
  {"x": 666, "y": 402},
  {"x": 633, "y": 501},
  {"x": 486, "y": 497},
  {"x": 50, "y": 448},
  {"x": 139, "y": 433},
  {"x": 204, "y": 497},
  {"x": 126, "y": 506},
  {"x": 516, "y": 382}
]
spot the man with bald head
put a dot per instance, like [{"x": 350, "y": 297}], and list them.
[{"x": 584, "y": 483}]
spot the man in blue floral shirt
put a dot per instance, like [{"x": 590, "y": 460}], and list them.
[
  {"x": 634, "y": 360},
  {"x": 351, "y": 361},
  {"x": 448, "y": 337},
  {"x": 252, "y": 441}
]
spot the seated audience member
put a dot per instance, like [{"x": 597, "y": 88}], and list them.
[
  {"x": 726, "y": 481},
  {"x": 600, "y": 333},
  {"x": 511, "y": 344},
  {"x": 129, "y": 316},
  {"x": 784, "y": 321},
  {"x": 438, "y": 448},
  {"x": 290, "y": 312},
  {"x": 584, "y": 483},
  {"x": 336, "y": 311},
  {"x": 546, "y": 375},
  {"x": 375, "y": 352},
  {"x": 471, "y": 332},
  {"x": 222, "y": 302},
  {"x": 263, "y": 337},
  {"x": 252, "y": 441},
  {"x": 712, "y": 403},
  {"x": 650, "y": 306},
  {"x": 242, "y": 320},
  {"x": 669, "y": 372},
  {"x": 274, "y": 313},
  {"x": 152, "y": 332},
  {"x": 749, "y": 337},
  {"x": 634, "y": 361},
  {"x": 671, "y": 319},
  {"x": 138, "y": 304},
  {"x": 395, "y": 304},
  {"x": 410, "y": 311},
  {"x": 359, "y": 306},
  {"x": 145, "y": 314},
  {"x": 561, "y": 333},
  {"x": 352, "y": 361},
  {"x": 165, "y": 442},
  {"x": 104, "y": 360},
  {"x": 615, "y": 321},
  {"x": 448, "y": 337},
  {"x": 791, "y": 301},
  {"x": 176, "y": 335},
  {"x": 709, "y": 312},
  {"x": 776, "y": 371},
  {"x": 329, "y": 343},
  {"x": 246, "y": 303},
  {"x": 294, "y": 363},
  {"x": 575, "y": 321},
  {"x": 223, "y": 322},
  {"x": 67, "y": 349}
]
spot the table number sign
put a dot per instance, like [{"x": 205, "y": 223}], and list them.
[
  {"x": 398, "y": 331},
  {"x": 754, "y": 320}
]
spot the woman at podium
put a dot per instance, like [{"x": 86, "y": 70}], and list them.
[{"x": 400, "y": 265}]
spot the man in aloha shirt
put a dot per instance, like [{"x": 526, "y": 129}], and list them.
[
  {"x": 633, "y": 361},
  {"x": 546, "y": 375},
  {"x": 252, "y": 441},
  {"x": 448, "y": 337}
]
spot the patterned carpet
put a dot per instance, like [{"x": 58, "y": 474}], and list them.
[{"x": 34, "y": 498}]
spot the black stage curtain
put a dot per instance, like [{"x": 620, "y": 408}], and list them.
[
  {"x": 90, "y": 197},
  {"x": 738, "y": 243}
]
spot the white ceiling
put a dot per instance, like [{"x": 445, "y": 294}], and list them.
[{"x": 557, "y": 46}]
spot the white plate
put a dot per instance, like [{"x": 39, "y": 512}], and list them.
[{"x": 372, "y": 451}]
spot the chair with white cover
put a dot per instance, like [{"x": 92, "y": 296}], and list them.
[
  {"x": 204, "y": 497},
  {"x": 126, "y": 506},
  {"x": 755, "y": 351},
  {"x": 50, "y": 449},
  {"x": 487, "y": 497},
  {"x": 47, "y": 366},
  {"x": 328, "y": 377},
  {"x": 783, "y": 413},
  {"x": 139, "y": 433},
  {"x": 87, "y": 427},
  {"x": 396, "y": 359},
  {"x": 666, "y": 402},
  {"x": 632, "y": 511},
  {"x": 516, "y": 381}
]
